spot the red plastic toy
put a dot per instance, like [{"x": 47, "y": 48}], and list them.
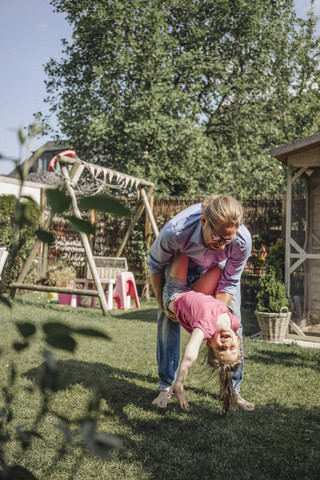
[{"x": 66, "y": 153}]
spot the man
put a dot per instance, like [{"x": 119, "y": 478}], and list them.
[{"x": 210, "y": 233}]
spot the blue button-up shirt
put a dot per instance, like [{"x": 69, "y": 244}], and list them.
[{"x": 184, "y": 233}]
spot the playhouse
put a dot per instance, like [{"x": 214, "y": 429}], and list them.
[{"x": 302, "y": 267}]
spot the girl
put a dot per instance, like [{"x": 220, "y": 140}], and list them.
[{"x": 206, "y": 318}]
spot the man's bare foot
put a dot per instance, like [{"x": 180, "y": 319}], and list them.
[
  {"x": 162, "y": 400},
  {"x": 249, "y": 407}
]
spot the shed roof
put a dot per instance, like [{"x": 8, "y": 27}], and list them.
[{"x": 282, "y": 152}]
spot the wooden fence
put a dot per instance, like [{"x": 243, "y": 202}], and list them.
[{"x": 263, "y": 217}]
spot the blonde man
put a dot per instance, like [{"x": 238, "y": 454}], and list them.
[{"x": 210, "y": 234}]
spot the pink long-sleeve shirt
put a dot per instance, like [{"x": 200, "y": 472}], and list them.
[{"x": 195, "y": 309}]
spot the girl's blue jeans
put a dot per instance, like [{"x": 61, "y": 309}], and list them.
[{"x": 168, "y": 345}]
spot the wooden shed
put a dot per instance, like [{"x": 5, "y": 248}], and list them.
[{"x": 302, "y": 267}]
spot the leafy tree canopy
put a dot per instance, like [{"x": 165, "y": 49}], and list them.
[{"x": 190, "y": 94}]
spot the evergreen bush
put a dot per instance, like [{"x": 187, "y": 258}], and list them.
[
  {"x": 276, "y": 258},
  {"x": 272, "y": 294}
]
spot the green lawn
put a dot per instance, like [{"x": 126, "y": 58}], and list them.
[{"x": 279, "y": 440}]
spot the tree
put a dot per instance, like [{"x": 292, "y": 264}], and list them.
[{"x": 191, "y": 94}]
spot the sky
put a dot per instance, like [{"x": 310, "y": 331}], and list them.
[{"x": 30, "y": 34}]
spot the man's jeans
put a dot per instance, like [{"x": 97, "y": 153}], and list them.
[{"x": 168, "y": 346}]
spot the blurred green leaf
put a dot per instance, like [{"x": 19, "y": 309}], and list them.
[
  {"x": 90, "y": 332},
  {"x": 104, "y": 203},
  {"x": 88, "y": 428},
  {"x": 21, "y": 135},
  {"x": 102, "y": 445},
  {"x": 20, "y": 173},
  {"x": 45, "y": 236},
  {"x": 26, "y": 329},
  {"x": 64, "y": 342},
  {"x": 29, "y": 199},
  {"x": 20, "y": 346},
  {"x": 65, "y": 431},
  {"x": 99, "y": 444},
  {"x": 13, "y": 374},
  {"x": 58, "y": 199},
  {"x": 26, "y": 435},
  {"x": 56, "y": 328},
  {"x": 51, "y": 362},
  {"x": 79, "y": 225},
  {"x": 22, "y": 214},
  {"x": 17, "y": 473},
  {"x": 38, "y": 152}
]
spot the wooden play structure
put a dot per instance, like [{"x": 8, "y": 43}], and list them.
[
  {"x": 3, "y": 258},
  {"x": 75, "y": 174},
  {"x": 302, "y": 267}
]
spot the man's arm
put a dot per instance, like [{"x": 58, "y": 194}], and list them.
[
  {"x": 160, "y": 254},
  {"x": 156, "y": 280},
  {"x": 223, "y": 297},
  {"x": 238, "y": 253},
  {"x": 190, "y": 355}
]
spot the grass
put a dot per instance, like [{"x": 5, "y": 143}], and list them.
[{"x": 279, "y": 440}]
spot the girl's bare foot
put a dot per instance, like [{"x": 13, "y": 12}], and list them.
[
  {"x": 249, "y": 407},
  {"x": 162, "y": 400}
]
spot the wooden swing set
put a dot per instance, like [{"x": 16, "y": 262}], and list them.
[{"x": 100, "y": 176}]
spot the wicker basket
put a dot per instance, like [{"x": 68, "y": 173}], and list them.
[{"x": 274, "y": 326}]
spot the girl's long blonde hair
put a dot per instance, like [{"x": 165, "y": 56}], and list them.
[{"x": 227, "y": 395}]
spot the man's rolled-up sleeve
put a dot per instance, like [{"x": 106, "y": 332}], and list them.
[
  {"x": 162, "y": 251},
  {"x": 234, "y": 266}
]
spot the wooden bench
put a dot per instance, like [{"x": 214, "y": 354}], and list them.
[{"x": 108, "y": 268}]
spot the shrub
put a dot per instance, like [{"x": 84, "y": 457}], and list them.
[
  {"x": 276, "y": 258},
  {"x": 61, "y": 275},
  {"x": 30, "y": 212},
  {"x": 272, "y": 294}
]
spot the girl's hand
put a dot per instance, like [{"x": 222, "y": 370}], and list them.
[{"x": 177, "y": 389}]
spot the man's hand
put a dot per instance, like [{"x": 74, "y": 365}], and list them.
[
  {"x": 170, "y": 315},
  {"x": 223, "y": 297},
  {"x": 177, "y": 389},
  {"x": 156, "y": 280}
]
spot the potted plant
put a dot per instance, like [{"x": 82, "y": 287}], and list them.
[
  {"x": 62, "y": 275},
  {"x": 272, "y": 312}
]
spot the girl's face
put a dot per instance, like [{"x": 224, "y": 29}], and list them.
[{"x": 226, "y": 345}]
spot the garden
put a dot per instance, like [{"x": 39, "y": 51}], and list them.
[
  {"x": 136, "y": 89},
  {"x": 77, "y": 388},
  {"x": 62, "y": 405}
]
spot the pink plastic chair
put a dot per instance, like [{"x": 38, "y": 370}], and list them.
[{"x": 125, "y": 287}]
